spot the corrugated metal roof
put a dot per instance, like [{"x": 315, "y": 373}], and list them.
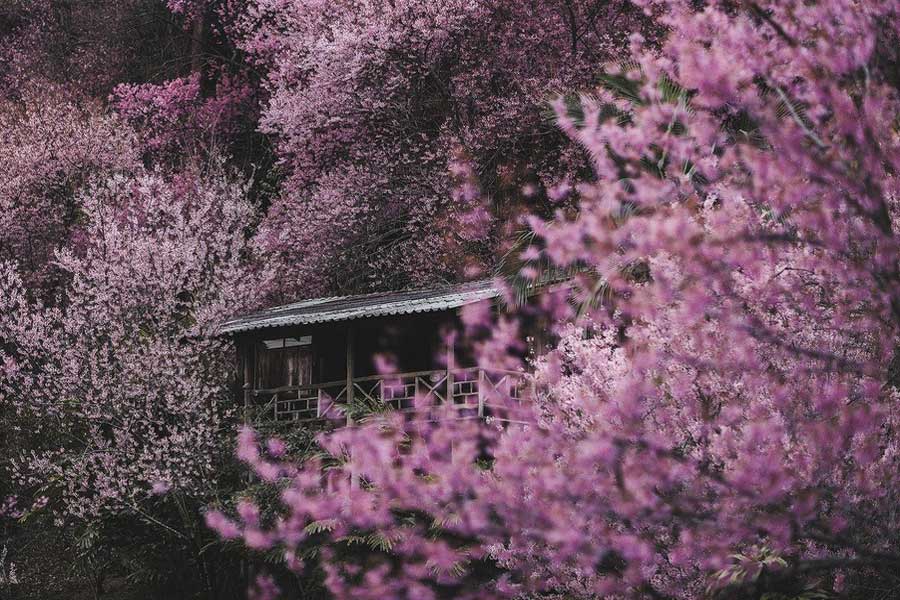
[{"x": 344, "y": 308}]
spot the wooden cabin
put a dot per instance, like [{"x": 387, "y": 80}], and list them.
[{"x": 306, "y": 361}]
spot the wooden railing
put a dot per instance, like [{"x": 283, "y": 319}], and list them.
[{"x": 457, "y": 393}]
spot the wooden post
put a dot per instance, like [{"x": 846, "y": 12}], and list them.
[
  {"x": 246, "y": 351},
  {"x": 354, "y": 477},
  {"x": 350, "y": 347},
  {"x": 319, "y": 399},
  {"x": 451, "y": 364},
  {"x": 451, "y": 359}
]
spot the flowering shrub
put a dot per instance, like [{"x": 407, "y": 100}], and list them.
[{"x": 727, "y": 385}]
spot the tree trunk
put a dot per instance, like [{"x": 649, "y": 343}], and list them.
[{"x": 198, "y": 43}]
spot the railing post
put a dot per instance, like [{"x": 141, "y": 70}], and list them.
[{"x": 480, "y": 393}]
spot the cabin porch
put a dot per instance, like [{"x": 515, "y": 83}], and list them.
[{"x": 475, "y": 392}]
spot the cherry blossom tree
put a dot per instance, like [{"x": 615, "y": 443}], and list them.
[
  {"x": 719, "y": 416},
  {"x": 121, "y": 392},
  {"x": 54, "y": 142},
  {"x": 90, "y": 46},
  {"x": 178, "y": 82},
  {"x": 372, "y": 102}
]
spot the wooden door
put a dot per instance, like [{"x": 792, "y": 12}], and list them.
[{"x": 298, "y": 366}]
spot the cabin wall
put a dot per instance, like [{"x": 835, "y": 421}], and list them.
[{"x": 409, "y": 342}]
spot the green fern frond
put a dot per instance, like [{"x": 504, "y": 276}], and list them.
[
  {"x": 620, "y": 85},
  {"x": 442, "y": 522},
  {"x": 379, "y": 541},
  {"x": 322, "y": 526}
]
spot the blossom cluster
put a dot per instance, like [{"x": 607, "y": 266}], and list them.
[{"x": 172, "y": 118}]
